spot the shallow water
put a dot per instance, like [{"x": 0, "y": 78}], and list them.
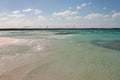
[{"x": 77, "y": 54}]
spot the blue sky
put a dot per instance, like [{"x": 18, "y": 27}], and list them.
[{"x": 59, "y": 13}]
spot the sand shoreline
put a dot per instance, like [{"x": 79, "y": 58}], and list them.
[
  {"x": 18, "y": 67},
  {"x": 7, "y": 40}
]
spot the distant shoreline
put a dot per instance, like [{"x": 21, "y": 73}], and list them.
[{"x": 7, "y": 29}]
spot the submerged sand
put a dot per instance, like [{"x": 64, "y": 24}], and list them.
[{"x": 20, "y": 67}]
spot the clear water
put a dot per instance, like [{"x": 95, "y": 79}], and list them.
[{"x": 77, "y": 54}]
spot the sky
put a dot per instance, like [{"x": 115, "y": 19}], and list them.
[{"x": 60, "y": 13}]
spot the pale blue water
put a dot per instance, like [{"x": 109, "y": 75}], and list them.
[{"x": 76, "y": 54}]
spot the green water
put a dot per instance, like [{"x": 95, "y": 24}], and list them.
[{"x": 77, "y": 54}]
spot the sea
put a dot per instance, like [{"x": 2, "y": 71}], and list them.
[{"x": 73, "y": 54}]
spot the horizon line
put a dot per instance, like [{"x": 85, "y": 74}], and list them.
[{"x": 59, "y": 29}]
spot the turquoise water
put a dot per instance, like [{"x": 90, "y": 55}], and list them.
[{"x": 76, "y": 54}]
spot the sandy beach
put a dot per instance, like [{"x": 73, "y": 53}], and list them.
[
  {"x": 6, "y": 40},
  {"x": 16, "y": 68}
]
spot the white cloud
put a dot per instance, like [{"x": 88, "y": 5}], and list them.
[
  {"x": 78, "y": 7},
  {"x": 106, "y": 16},
  {"x": 68, "y": 17},
  {"x": 16, "y": 23},
  {"x": 73, "y": 17},
  {"x": 74, "y": 12},
  {"x": 3, "y": 18},
  {"x": 64, "y": 13},
  {"x": 104, "y": 8},
  {"x": 38, "y": 11},
  {"x": 16, "y": 15},
  {"x": 93, "y": 16},
  {"x": 116, "y": 15},
  {"x": 2, "y": 14},
  {"x": 77, "y": 17},
  {"x": 83, "y": 5},
  {"x": 16, "y": 12},
  {"x": 113, "y": 11},
  {"x": 28, "y": 10},
  {"x": 41, "y": 18},
  {"x": 18, "y": 20}
]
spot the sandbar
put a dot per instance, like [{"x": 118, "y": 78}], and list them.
[{"x": 7, "y": 40}]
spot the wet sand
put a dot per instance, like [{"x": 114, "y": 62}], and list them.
[
  {"x": 13, "y": 68},
  {"x": 19, "y": 66},
  {"x": 6, "y": 40}
]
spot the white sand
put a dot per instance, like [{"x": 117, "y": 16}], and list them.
[
  {"x": 7, "y": 40},
  {"x": 16, "y": 68}
]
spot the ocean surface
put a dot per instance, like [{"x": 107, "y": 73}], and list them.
[{"x": 74, "y": 54}]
